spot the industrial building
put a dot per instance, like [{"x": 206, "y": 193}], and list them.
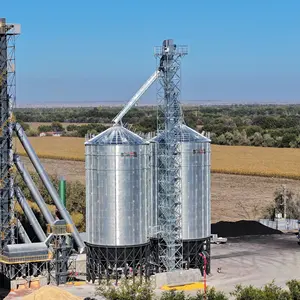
[{"x": 147, "y": 201}]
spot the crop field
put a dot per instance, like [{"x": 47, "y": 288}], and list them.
[{"x": 240, "y": 160}]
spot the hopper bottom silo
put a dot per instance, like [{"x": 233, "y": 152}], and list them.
[
  {"x": 116, "y": 199},
  {"x": 104, "y": 262},
  {"x": 191, "y": 250},
  {"x": 195, "y": 155}
]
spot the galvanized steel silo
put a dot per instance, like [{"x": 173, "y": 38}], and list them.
[
  {"x": 195, "y": 159},
  {"x": 116, "y": 188},
  {"x": 195, "y": 176}
]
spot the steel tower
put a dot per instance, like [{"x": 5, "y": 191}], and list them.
[
  {"x": 169, "y": 119},
  {"x": 8, "y": 34}
]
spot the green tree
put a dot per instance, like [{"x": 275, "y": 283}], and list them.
[
  {"x": 256, "y": 139},
  {"x": 72, "y": 127},
  {"x": 268, "y": 141},
  {"x": 57, "y": 126},
  {"x": 32, "y": 132},
  {"x": 281, "y": 196},
  {"x": 229, "y": 138},
  {"x": 221, "y": 139},
  {"x": 44, "y": 128},
  {"x": 287, "y": 139}
]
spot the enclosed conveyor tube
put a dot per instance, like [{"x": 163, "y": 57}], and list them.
[
  {"x": 33, "y": 190},
  {"x": 49, "y": 186},
  {"x": 30, "y": 215},
  {"x": 136, "y": 97},
  {"x": 22, "y": 233}
]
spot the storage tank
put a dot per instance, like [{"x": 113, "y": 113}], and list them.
[
  {"x": 195, "y": 185},
  {"x": 117, "y": 166}
]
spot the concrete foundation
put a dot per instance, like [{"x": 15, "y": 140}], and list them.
[
  {"x": 22, "y": 283},
  {"x": 180, "y": 277}
]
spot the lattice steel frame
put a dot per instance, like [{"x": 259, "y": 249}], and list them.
[
  {"x": 108, "y": 262},
  {"x": 169, "y": 119},
  {"x": 8, "y": 33},
  {"x": 28, "y": 271}
]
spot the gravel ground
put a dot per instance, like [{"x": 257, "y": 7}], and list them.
[{"x": 255, "y": 260}]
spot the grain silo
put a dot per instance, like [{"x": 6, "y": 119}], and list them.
[
  {"x": 195, "y": 194},
  {"x": 117, "y": 163}
]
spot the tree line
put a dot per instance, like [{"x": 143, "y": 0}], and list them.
[{"x": 254, "y": 125}]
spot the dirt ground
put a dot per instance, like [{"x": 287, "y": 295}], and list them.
[{"x": 234, "y": 197}]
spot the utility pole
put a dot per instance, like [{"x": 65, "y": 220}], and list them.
[{"x": 284, "y": 201}]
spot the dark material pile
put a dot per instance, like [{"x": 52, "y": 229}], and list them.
[{"x": 241, "y": 228}]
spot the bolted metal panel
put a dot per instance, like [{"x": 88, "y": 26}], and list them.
[
  {"x": 116, "y": 189},
  {"x": 195, "y": 184}
]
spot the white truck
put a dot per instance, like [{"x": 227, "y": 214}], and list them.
[{"x": 214, "y": 239}]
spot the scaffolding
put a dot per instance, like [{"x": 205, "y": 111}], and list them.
[{"x": 169, "y": 120}]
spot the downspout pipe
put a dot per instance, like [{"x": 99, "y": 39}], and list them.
[
  {"x": 30, "y": 215},
  {"x": 49, "y": 186},
  {"x": 22, "y": 233},
  {"x": 33, "y": 190}
]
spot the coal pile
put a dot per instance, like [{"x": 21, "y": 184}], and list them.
[{"x": 241, "y": 228}]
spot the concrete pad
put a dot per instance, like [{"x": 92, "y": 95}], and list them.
[{"x": 180, "y": 277}]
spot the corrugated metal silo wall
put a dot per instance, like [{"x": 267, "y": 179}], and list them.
[
  {"x": 152, "y": 204},
  {"x": 196, "y": 186},
  {"x": 116, "y": 194},
  {"x": 196, "y": 220}
]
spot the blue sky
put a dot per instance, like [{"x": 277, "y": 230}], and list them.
[{"x": 73, "y": 51}]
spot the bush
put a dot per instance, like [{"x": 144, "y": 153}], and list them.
[
  {"x": 269, "y": 292},
  {"x": 126, "y": 290},
  {"x": 143, "y": 291},
  {"x": 173, "y": 295},
  {"x": 211, "y": 294},
  {"x": 294, "y": 287}
]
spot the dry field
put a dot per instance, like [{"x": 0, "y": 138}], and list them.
[
  {"x": 271, "y": 162},
  {"x": 234, "y": 196}
]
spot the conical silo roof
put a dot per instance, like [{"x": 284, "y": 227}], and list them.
[
  {"x": 187, "y": 134},
  {"x": 116, "y": 135}
]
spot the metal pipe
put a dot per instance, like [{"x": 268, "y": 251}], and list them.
[
  {"x": 23, "y": 234},
  {"x": 33, "y": 190},
  {"x": 62, "y": 191},
  {"x": 30, "y": 215},
  {"x": 47, "y": 183}
]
